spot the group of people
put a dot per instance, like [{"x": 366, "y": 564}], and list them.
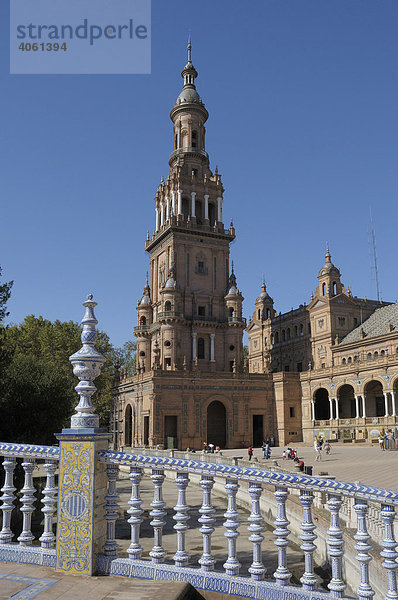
[
  {"x": 210, "y": 448},
  {"x": 290, "y": 454},
  {"x": 319, "y": 445},
  {"x": 265, "y": 447}
]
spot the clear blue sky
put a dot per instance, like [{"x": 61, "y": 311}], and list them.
[{"x": 303, "y": 103}]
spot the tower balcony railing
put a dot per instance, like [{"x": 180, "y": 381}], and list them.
[
  {"x": 367, "y": 509},
  {"x": 169, "y": 313},
  {"x": 190, "y": 150},
  {"x": 237, "y": 320},
  {"x": 142, "y": 328}
]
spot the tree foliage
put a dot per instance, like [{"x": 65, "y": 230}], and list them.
[{"x": 5, "y": 293}]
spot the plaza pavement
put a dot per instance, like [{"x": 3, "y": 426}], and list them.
[{"x": 347, "y": 462}]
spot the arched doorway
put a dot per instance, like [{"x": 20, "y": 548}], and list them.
[
  {"x": 322, "y": 405},
  {"x": 346, "y": 402},
  {"x": 216, "y": 424},
  {"x": 374, "y": 398},
  {"x": 128, "y": 426}
]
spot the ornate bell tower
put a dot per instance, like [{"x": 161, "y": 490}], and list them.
[{"x": 190, "y": 316}]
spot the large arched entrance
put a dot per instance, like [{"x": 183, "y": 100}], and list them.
[
  {"x": 374, "y": 398},
  {"x": 322, "y": 405},
  {"x": 216, "y": 424},
  {"x": 128, "y": 426},
  {"x": 346, "y": 402}
]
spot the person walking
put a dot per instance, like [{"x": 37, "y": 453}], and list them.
[
  {"x": 250, "y": 452},
  {"x": 263, "y": 448},
  {"x": 317, "y": 449}
]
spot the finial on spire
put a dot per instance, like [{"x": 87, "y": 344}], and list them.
[
  {"x": 147, "y": 282},
  {"x": 327, "y": 250},
  {"x": 263, "y": 285},
  {"x": 189, "y": 47},
  {"x": 232, "y": 267}
]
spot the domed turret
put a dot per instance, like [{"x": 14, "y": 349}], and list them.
[
  {"x": 329, "y": 278},
  {"x": 189, "y": 116},
  {"x": 264, "y": 304}
]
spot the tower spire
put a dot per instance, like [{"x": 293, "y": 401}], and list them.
[
  {"x": 189, "y": 48},
  {"x": 328, "y": 257}
]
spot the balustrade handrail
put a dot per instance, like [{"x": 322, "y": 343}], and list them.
[
  {"x": 29, "y": 450},
  {"x": 258, "y": 475}
]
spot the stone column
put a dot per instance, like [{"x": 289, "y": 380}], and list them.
[
  {"x": 212, "y": 336},
  {"x": 337, "y": 408},
  {"x": 385, "y": 394},
  {"x": 167, "y": 208},
  {"x": 313, "y": 410},
  {"x": 331, "y": 408},
  {"x": 357, "y": 407},
  {"x": 219, "y": 209},
  {"x": 173, "y": 203},
  {"x": 161, "y": 215},
  {"x": 206, "y": 197},
  {"x": 179, "y": 202},
  {"x": 363, "y": 406},
  {"x": 193, "y": 194},
  {"x": 82, "y": 478},
  {"x": 194, "y": 334},
  {"x": 393, "y": 404},
  {"x": 157, "y": 218}
]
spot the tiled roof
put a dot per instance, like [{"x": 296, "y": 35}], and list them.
[{"x": 377, "y": 324}]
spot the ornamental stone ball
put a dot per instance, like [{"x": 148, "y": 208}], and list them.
[{"x": 87, "y": 363}]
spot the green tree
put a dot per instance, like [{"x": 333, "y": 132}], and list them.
[
  {"x": 38, "y": 353},
  {"x": 126, "y": 357},
  {"x": 5, "y": 293}
]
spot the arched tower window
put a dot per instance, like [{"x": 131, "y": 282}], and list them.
[
  {"x": 231, "y": 312},
  {"x": 283, "y": 335},
  {"x": 143, "y": 321},
  {"x": 194, "y": 139},
  {"x": 167, "y": 306},
  {"x": 334, "y": 288},
  {"x": 259, "y": 314},
  {"x": 288, "y": 333},
  {"x": 276, "y": 337},
  {"x": 323, "y": 289},
  {"x": 268, "y": 313},
  {"x": 201, "y": 348}
]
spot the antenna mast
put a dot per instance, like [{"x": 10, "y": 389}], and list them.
[{"x": 374, "y": 257}]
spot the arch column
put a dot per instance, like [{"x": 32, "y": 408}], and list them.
[
  {"x": 157, "y": 218},
  {"x": 385, "y": 394},
  {"x": 363, "y": 406},
  {"x": 167, "y": 208},
  {"x": 193, "y": 194},
  {"x": 219, "y": 209},
  {"x": 393, "y": 404},
  {"x": 161, "y": 215},
  {"x": 212, "y": 336},
  {"x": 337, "y": 407},
  {"x": 179, "y": 202},
  {"x": 206, "y": 197},
  {"x": 357, "y": 407},
  {"x": 313, "y": 409},
  {"x": 194, "y": 334},
  {"x": 331, "y": 408},
  {"x": 173, "y": 203}
]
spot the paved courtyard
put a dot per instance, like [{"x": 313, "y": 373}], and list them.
[{"x": 347, "y": 462}]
